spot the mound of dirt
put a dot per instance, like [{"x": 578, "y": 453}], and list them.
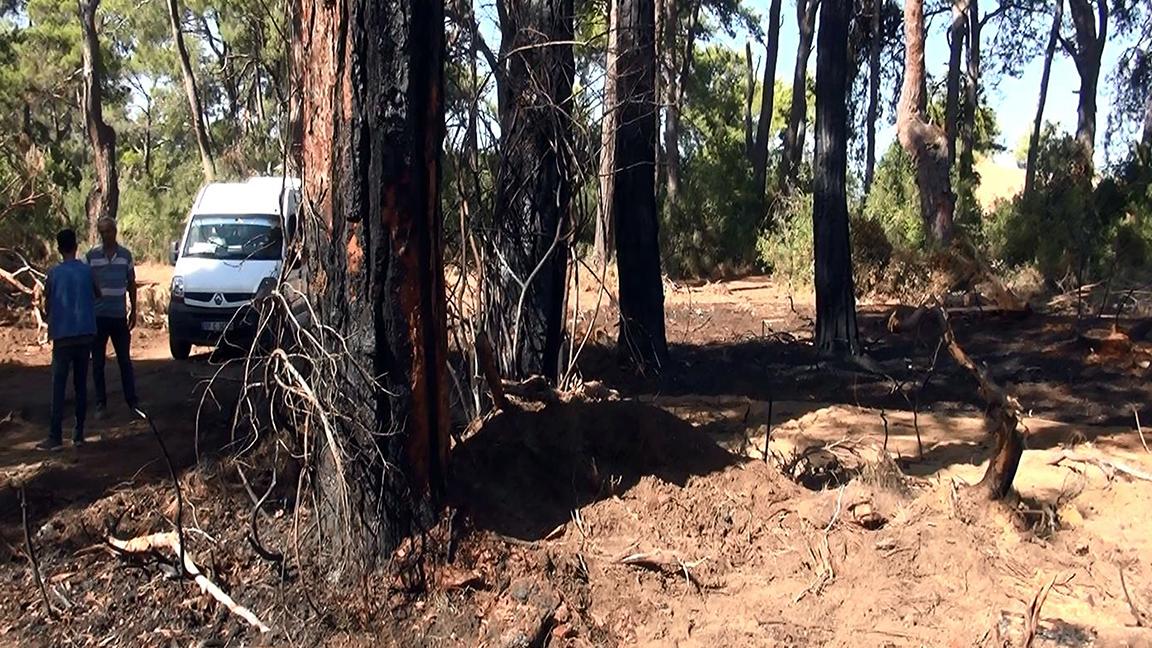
[{"x": 524, "y": 473}]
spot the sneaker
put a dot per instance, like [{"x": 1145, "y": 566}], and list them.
[
  {"x": 79, "y": 443},
  {"x": 49, "y": 445}
]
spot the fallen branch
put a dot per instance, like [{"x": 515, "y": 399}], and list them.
[
  {"x": 169, "y": 541},
  {"x": 32, "y": 554},
  {"x": 1106, "y": 466},
  {"x": 1140, "y": 429},
  {"x": 1032, "y": 616},
  {"x": 1003, "y": 411},
  {"x": 665, "y": 563},
  {"x": 487, "y": 361},
  {"x": 1131, "y": 606}
]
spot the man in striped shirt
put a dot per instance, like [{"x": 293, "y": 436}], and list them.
[{"x": 115, "y": 276}]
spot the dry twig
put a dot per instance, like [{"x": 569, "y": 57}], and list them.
[
  {"x": 168, "y": 540},
  {"x": 1032, "y": 616},
  {"x": 32, "y": 554}
]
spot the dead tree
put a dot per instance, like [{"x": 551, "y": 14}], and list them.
[
  {"x": 604, "y": 243},
  {"x": 372, "y": 125},
  {"x": 1038, "y": 123},
  {"x": 642, "y": 333},
  {"x": 104, "y": 198},
  {"x": 926, "y": 143},
  {"x": 192, "y": 93},
  {"x": 957, "y": 32},
  {"x": 759, "y": 148},
  {"x": 793, "y": 149},
  {"x": 875, "y": 43},
  {"x": 836, "y": 330},
  {"x": 1090, "y": 21},
  {"x": 529, "y": 247}
]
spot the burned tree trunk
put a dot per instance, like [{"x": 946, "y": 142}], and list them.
[
  {"x": 836, "y": 330},
  {"x": 528, "y": 260},
  {"x": 767, "y": 98},
  {"x": 793, "y": 150},
  {"x": 604, "y": 243},
  {"x": 1038, "y": 124},
  {"x": 371, "y": 129},
  {"x": 967, "y": 138},
  {"x": 1091, "y": 27},
  {"x": 642, "y": 335},
  {"x": 192, "y": 92},
  {"x": 957, "y": 32},
  {"x": 874, "y": 45},
  {"x": 925, "y": 142},
  {"x": 104, "y": 198},
  {"x": 670, "y": 93}
]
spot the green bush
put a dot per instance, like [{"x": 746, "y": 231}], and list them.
[
  {"x": 894, "y": 201},
  {"x": 786, "y": 250}
]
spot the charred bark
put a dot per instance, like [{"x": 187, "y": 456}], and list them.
[
  {"x": 670, "y": 95},
  {"x": 874, "y": 46},
  {"x": 604, "y": 243},
  {"x": 1091, "y": 29},
  {"x": 192, "y": 92},
  {"x": 1038, "y": 123},
  {"x": 926, "y": 143},
  {"x": 104, "y": 198},
  {"x": 957, "y": 32},
  {"x": 836, "y": 330},
  {"x": 528, "y": 260},
  {"x": 767, "y": 98},
  {"x": 642, "y": 333},
  {"x": 967, "y": 147},
  {"x": 793, "y": 149},
  {"x": 371, "y": 130}
]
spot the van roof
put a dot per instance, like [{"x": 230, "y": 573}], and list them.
[{"x": 239, "y": 198}]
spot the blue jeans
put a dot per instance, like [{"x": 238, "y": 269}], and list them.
[
  {"x": 68, "y": 358},
  {"x": 115, "y": 329}
]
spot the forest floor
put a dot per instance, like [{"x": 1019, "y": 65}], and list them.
[{"x": 643, "y": 516}]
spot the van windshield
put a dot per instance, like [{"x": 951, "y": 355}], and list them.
[{"x": 234, "y": 238}]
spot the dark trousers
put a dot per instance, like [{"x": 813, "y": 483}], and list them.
[
  {"x": 115, "y": 329},
  {"x": 69, "y": 358}
]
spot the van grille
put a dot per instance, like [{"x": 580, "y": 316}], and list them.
[{"x": 230, "y": 297}]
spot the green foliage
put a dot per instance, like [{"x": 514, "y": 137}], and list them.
[
  {"x": 894, "y": 201},
  {"x": 239, "y": 57},
  {"x": 710, "y": 227},
  {"x": 786, "y": 251},
  {"x": 1067, "y": 226}
]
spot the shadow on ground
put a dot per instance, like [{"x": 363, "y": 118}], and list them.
[{"x": 524, "y": 473}]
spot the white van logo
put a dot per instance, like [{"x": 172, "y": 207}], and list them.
[{"x": 218, "y": 299}]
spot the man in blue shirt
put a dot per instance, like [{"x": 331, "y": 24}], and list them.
[
  {"x": 70, "y": 303},
  {"x": 115, "y": 275}
]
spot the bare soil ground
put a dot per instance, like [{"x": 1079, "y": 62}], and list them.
[{"x": 647, "y": 520}]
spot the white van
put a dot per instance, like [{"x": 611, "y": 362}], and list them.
[{"x": 233, "y": 243}]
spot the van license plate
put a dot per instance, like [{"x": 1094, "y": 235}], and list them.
[{"x": 214, "y": 326}]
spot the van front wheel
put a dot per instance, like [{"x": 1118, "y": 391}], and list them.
[{"x": 180, "y": 348}]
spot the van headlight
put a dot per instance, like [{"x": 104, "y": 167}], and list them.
[{"x": 178, "y": 287}]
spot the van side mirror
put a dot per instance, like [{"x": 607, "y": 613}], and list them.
[{"x": 174, "y": 252}]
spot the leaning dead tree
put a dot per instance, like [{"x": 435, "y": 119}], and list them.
[
  {"x": 371, "y": 84},
  {"x": 642, "y": 333},
  {"x": 925, "y": 142},
  {"x": 528, "y": 248},
  {"x": 192, "y": 93},
  {"x": 104, "y": 198}
]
